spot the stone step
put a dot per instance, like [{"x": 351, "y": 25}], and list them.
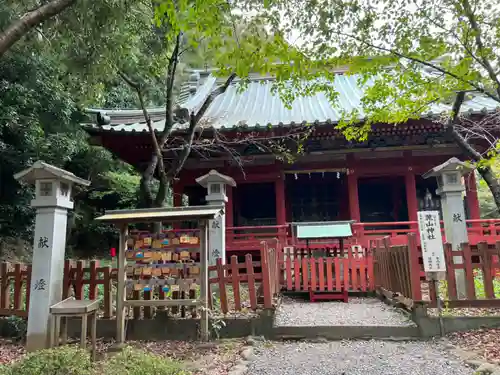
[{"x": 319, "y": 333}]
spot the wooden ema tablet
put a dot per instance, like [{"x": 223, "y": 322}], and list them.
[{"x": 157, "y": 272}]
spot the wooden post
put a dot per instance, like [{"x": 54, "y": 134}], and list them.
[
  {"x": 121, "y": 294},
  {"x": 472, "y": 199},
  {"x": 416, "y": 290},
  {"x": 279, "y": 187},
  {"x": 229, "y": 207},
  {"x": 352, "y": 186},
  {"x": 204, "y": 324},
  {"x": 411, "y": 195}
]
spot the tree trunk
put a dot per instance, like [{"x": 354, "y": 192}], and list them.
[
  {"x": 489, "y": 177},
  {"x": 17, "y": 29},
  {"x": 485, "y": 172}
]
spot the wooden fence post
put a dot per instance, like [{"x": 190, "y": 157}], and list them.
[
  {"x": 266, "y": 277},
  {"x": 66, "y": 278},
  {"x": 488, "y": 275},
  {"x": 93, "y": 292},
  {"x": 252, "y": 290},
  {"x": 450, "y": 272},
  {"x": 5, "y": 286},
  {"x": 414, "y": 265},
  {"x": 18, "y": 285},
  {"x": 28, "y": 286},
  {"x": 222, "y": 286},
  {"x": 235, "y": 282},
  {"x": 470, "y": 288},
  {"x": 108, "y": 294}
]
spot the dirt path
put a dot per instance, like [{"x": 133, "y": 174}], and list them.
[{"x": 356, "y": 357}]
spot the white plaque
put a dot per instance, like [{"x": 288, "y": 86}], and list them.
[{"x": 431, "y": 241}]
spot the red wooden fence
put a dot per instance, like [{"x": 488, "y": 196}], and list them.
[
  {"x": 14, "y": 293},
  {"x": 240, "y": 285},
  {"x": 399, "y": 269},
  {"x": 306, "y": 273}
]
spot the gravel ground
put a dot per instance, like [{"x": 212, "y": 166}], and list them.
[
  {"x": 358, "y": 311},
  {"x": 356, "y": 357}
]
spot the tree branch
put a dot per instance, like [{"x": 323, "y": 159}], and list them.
[
  {"x": 21, "y": 27},
  {"x": 194, "y": 120},
  {"x": 480, "y": 46},
  {"x": 220, "y": 90},
  {"x": 425, "y": 63},
  {"x": 171, "y": 70}
]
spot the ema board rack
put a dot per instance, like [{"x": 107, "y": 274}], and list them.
[{"x": 166, "y": 260}]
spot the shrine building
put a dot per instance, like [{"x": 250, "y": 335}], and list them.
[{"x": 377, "y": 184}]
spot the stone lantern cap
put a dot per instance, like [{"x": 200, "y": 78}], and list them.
[
  {"x": 451, "y": 165},
  {"x": 214, "y": 177},
  {"x": 43, "y": 171}
]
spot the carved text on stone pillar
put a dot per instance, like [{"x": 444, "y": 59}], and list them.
[
  {"x": 215, "y": 253},
  {"x": 40, "y": 284},
  {"x": 43, "y": 242}
]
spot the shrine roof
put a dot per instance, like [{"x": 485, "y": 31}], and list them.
[
  {"x": 162, "y": 214},
  {"x": 258, "y": 106}
]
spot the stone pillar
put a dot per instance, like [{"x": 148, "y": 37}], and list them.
[
  {"x": 52, "y": 201},
  {"x": 450, "y": 189},
  {"x": 215, "y": 183}
]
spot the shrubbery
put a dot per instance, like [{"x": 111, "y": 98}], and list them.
[
  {"x": 137, "y": 362},
  {"x": 70, "y": 360},
  {"x": 66, "y": 360}
]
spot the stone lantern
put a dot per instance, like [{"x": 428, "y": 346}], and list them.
[
  {"x": 52, "y": 201},
  {"x": 215, "y": 183},
  {"x": 451, "y": 189}
]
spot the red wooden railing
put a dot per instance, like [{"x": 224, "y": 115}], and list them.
[
  {"x": 238, "y": 285},
  {"x": 302, "y": 272},
  {"x": 248, "y": 238},
  {"x": 398, "y": 270},
  {"x": 482, "y": 230}
]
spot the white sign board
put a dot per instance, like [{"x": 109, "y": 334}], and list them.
[{"x": 431, "y": 241}]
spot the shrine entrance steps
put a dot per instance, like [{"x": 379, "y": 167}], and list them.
[{"x": 361, "y": 318}]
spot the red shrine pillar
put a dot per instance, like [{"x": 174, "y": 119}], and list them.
[
  {"x": 472, "y": 200},
  {"x": 279, "y": 188},
  {"x": 229, "y": 206},
  {"x": 352, "y": 187},
  {"x": 411, "y": 194}
]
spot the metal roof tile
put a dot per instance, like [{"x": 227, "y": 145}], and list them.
[{"x": 258, "y": 105}]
